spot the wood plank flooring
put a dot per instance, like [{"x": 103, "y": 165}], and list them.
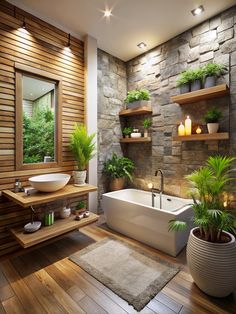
[{"x": 43, "y": 280}]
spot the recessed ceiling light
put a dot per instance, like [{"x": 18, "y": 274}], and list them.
[
  {"x": 198, "y": 10},
  {"x": 142, "y": 45},
  {"x": 107, "y": 13}
]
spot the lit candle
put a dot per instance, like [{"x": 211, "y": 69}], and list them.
[
  {"x": 188, "y": 126},
  {"x": 199, "y": 130},
  {"x": 181, "y": 129},
  {"x": 150, "y": 185},
  {"x": 225, "y": 204}
]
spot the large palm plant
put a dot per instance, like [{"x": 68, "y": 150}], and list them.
[
  {"x": 82, "y": 146},
  {"x": 208, "y": 184}
]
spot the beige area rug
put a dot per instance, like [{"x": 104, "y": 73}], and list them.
[{"x": 127, "y": 270}]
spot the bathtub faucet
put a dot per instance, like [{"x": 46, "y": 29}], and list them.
[{"x": 161, "y": 190}]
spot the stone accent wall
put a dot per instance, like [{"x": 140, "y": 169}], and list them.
[
  {"x": 112, "y": 89},
  {"x": 157, "y": 70}
]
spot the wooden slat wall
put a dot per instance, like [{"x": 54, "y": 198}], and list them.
[{"x": 41, "y": 47}]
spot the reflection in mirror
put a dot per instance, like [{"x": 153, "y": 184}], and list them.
[{"x": 39, "y": 99}]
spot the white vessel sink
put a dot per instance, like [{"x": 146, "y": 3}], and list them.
[{"x": 49, "y": 182}]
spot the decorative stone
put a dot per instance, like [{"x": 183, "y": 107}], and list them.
[
  {"x": 225, "y": 35},
  {"x": 208, "y": 37},
  {"x": 207, "y": 56},
  {"x": 226, "y": 24},
  {"x": 202, "y": 28},
  {"x": 194, "y": 54},
  {"x": 215, "y": 22}
]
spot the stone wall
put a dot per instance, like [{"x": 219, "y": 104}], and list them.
[
  {"x": 157, "y": 71},
  {"x": 112, "y": 89}
]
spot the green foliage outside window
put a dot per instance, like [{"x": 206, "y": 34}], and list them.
[{"x": 38, "y": 135}]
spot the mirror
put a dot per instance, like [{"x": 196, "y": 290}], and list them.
[{"x": 38, "y": 118}]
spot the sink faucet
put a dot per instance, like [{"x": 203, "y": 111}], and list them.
[{"x": 160, "y": 191}]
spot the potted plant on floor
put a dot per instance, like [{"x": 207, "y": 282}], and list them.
[
  {"x": 118, "y": 169},
  {"x": 147, "y": 123},
  {"x": 83, "y": 148},
  {"x": 127, "y": 131},
  {"x": 211, "y": 72},
  {"x": 211, "y": 248},
  {"x": 212, "y": 120},
  {"x": 137, "y": 98}
]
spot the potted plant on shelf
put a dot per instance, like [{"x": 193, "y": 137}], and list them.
[
  {"x": 211, "y": 72},
  {"x": 212, "y": 120},
  {"x": 196, "y": 77},
  {"x": 83, "y": 148},
  {"x": 183, "y": 82},
  {"x": 211, "y": 248},
  {"x": 80, "y": 207},
  {"x": 137, "y": 98},
  {"x": 118, "y": 169},
  {"x": 147, "y": 123},
  {"x": 127, "y": 131}
]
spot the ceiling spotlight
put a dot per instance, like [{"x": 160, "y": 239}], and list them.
[
  {"x": 107, "y": 13},
  {"x": 198, "y": 10},
  {"x": 142, "y": 45}
]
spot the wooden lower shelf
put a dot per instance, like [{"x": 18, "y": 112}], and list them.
[
  {"x": 61, "y": 226},
  {"x": 202, "y": 137},
  {"x": 135, "y": 140},
  {"x": 136, "y": 111}
]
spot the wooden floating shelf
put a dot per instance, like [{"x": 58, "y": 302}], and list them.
[
  {"x": 60, "y": 226},
  {"x": 202, "y": 137},
  {"x": 201, "y": 94},
  {"x": 136, "y": 111},
  {"x": 135, "y": 140},
  {"x": 40, "y": 198}
]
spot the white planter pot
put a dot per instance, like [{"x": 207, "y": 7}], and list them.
[
  {"x": 145, "y": 134},
  {"x": 135, "y": 135},
  {"x": 212, "y": 127},
  {"x": 79, "y": 177},
  {"x": 65, "y": 212},
  {"x": 212, "y": 265}
]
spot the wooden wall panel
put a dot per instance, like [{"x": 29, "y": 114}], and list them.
[{"x": 42, "y": 47}]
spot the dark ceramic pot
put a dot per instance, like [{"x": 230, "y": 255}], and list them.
[
  {"x": 184, "y": 88},
  {"x": 210, "y": 81},
  {"x": 195, "y": 85}
]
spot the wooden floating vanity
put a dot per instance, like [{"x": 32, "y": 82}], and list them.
[{"x": 60, "y": 226}]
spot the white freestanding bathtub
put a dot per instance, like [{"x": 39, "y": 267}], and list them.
[{"x": 130, "y": 212}]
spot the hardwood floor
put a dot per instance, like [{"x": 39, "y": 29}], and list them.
[{"x": 43, "y": 280}]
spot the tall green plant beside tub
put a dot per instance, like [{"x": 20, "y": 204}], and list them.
[
  {"x": 211, "y": 249},
  {"x": 82, "y": 145},
  {"x": 118, "y": 169}
]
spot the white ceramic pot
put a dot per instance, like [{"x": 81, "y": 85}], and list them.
[
  {"x": 65, "y": 212},
  {"x": 212, "y": 265},
  {"x": 212, "y": 127},
  {"x": 135, "y": 135},
  {"x": 145, "y": 134},
  {"x": 79, "y": 177}
]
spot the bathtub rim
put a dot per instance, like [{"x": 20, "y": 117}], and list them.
[{"x": 175, "y": 213}]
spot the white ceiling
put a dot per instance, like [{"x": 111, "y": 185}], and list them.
[
  {"x": 35, "y": 88},
  {"x": 133, "y": 21}
]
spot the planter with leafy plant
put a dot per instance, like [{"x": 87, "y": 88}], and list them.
[
  {"x": 118, "y": 169},
  {"x": 212, "y": 120},
  {"x": 80, "y": 207},
  {"x": 147, "y": 123},
  {"x": 137, "y": 98},
  {"x": 190, "y": 79},
  {"x": 211, "y": 72},
  {"x": 211, "y": 248},
  {"x": 127, "y": 131},
  {"x": 83, "y": 148}
]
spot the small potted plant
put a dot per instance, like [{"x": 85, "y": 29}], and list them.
[
  {"x": 137, "y": 98},
  {"x": 212, "y": 120},
  {"x": 83, "y": 148},
  {"x": 183, "y": 82},
  {"x": 127, "y": 131},
  {"x": 211, "y": 72},
  {"x": 196, "y": 76},
  {"x": 147, "y": 123},
  {"x": 80, "y": 207},
  {"x": 211, "y": 248},
  {"x": 118, "y": 169}
]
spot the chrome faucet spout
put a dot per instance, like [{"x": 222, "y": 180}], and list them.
[{"x": 162, "y": 184}]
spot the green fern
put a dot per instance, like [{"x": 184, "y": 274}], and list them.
[{"x": 82, "y": 146}]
